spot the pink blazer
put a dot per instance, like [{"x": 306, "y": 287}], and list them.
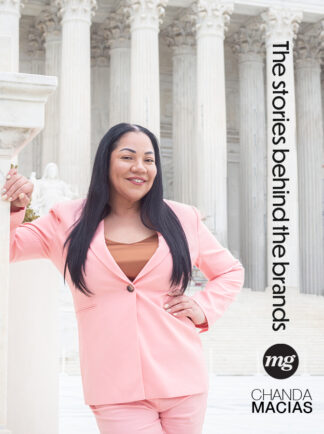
[{"x": 130, "y": 347}]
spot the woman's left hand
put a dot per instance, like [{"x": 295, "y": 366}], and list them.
[{"x": 183, "y": 305}]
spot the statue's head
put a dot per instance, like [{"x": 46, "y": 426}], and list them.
[
  {"x": 50, "y": 171},
  {"x": 32, "y": 176}
]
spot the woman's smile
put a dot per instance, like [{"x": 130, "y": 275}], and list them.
[{"x": 136, "y": 181}]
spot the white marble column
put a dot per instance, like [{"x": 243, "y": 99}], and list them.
[
  {"x": 34, "y": 347},
  {"x": 22, "y": 100},
  {"x": 75, "y": 105},
  {"x": 249, "y": 46},
  {"x": 310, "y": 158},
  {"x": 180, "y": 36},
  {"x": 9, "y": 35},
  {"x": 4, "y": 294},
  {"x": 48, "y": 23},
  {"x": 212, "y": 17},
  {"x": 281, "y": 26},
  {"x": 145, "y": 17},
  {"x": 9, "y": 39},
  {"x": 100, "y": 73},
  {"x": 30, "y": 158},
  {"x": 117, "y": 34}
]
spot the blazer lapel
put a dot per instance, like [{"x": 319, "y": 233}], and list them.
[{"x": 100, "y": 249}]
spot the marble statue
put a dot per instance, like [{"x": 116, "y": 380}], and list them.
[{"x": 49, "y": 190}]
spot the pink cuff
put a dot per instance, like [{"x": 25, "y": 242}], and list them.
[{"x": 16, "y": 218}]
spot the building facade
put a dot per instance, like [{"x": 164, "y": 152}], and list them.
[{"x": 196, "y": 74}]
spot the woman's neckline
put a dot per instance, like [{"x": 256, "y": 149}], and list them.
[{"x": 135, "y": 242}]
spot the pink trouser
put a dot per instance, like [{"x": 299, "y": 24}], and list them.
[{"x": 179, "y": 415}]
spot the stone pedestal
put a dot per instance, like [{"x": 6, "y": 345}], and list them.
[
  {"x": 22, "y": 106},
  {"x": 212, "y": 17}
]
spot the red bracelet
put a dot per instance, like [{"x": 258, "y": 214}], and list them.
[
  {"x": 203, "y": 325},
  {"x": 20, "y": 208}
]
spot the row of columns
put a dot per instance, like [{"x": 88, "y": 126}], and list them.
[
  {"x": 303, "y": 163},
  {"x": 310, "y": 157},
  {"x": 199, "y": 116},
  {"x": 306, "y": 227},
  {"x": 249, "y": 43}
]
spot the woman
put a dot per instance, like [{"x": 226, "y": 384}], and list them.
[{"x": 127, "y": 255}]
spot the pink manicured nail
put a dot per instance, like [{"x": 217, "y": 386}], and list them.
[
  {"x": 8, "y": 176},
  {"x": 4, "y": 197},
  {"x": 10, "y": 199}
]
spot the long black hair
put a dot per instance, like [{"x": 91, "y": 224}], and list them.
[{"x": 155, "y": 214}]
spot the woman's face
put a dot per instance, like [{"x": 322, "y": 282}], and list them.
[{"x": 133, "y": 157}]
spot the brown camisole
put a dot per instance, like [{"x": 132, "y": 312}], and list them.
[{"x": 131, "y": 257}]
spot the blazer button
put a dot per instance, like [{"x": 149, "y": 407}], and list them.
[{"x": 130, "y": 288}]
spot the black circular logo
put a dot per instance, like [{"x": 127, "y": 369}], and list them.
[{"x": 280, "y": 361}]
